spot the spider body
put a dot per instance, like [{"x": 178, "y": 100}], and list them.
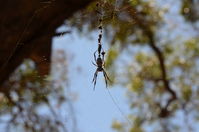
[{"x": 99, "y": 63}]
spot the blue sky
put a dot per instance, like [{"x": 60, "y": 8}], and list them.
[{"x": 94, "y": 110}]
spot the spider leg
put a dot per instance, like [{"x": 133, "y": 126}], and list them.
[
  {"x": 94, "y": 64},
  {"x": 104, "y": 64},
  {"x": 105, "y": 77},
  {"x": 102, "y": 49},
  {"x": 95, "y": 75},
  {"x": 95, "y": 79},
  {"x": 95, "y": 56}
]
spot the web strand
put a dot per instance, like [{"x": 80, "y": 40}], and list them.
[{"x": 118, "y": 107}]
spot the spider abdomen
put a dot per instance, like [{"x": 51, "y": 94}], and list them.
[
  {"x": 99, "y": 62},
  {"x": 99, "y": 69}
]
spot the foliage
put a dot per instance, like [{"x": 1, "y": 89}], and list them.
[
  {"x": 161, "y": 81},
  {"x": 30, "y": 103},
  {"x": 190, "y": 10}
]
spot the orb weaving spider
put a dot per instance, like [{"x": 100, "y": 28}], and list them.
[{"x": 100, "y": 64}]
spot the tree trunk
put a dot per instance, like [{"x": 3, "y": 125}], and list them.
[{"x": 27, "y": 28}]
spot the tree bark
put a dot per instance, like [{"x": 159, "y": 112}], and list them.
[{"x": 27, "y": 28}]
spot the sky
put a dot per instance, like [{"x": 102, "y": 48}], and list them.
[{"x": 95, "y": 110}]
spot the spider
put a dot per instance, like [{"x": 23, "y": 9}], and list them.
[{"x": 100, "y": 64}]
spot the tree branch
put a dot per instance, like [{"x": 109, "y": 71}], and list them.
[
  {"x": 143, "y": 24},
  {"x": 161, "y": 59}
]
